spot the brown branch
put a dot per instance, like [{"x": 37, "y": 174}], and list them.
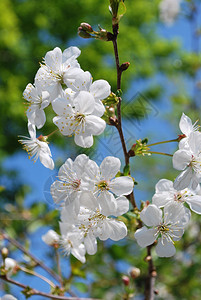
[
  {"x": 34, "y": 292},
  {"x": 36, "y": 260},
  {"x": 150, "y": 282},
  {"x": 131, "y": 197}
]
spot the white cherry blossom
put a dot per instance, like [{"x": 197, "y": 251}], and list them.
[
  {"x": 10, "y": 265},
  {"x": 99, "y": 89},
  {"x": 39, "y": 99},
  {"x": 164, "y": 227},
  {"x": 78, "y": 119},
  {"x": 188, "y": 160},
  {"x": 57, "y": 69},
  {"x": 69, "y": 185},
  {"x": 8, "y": 297},
  {"x": 71, "y": 241},
  {"x": 37, "y": 148},
  {"x": 50, "y": 238},
  {"x": 187, "y": 127},
  {"x": 169, "y": 9},
  {"x": 106, "y": 185},
  {"x": 166, "y": 194},
  {"x": 91, "y": 223}
]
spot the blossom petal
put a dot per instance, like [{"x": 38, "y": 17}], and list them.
[
  {"x": 145, "y": 236},
  {"x": 122, "y": 206},
  {"x": 94, "y": 125},
  {"x": 107, "y": 203},
  {"x": 46, "y": 160},
  {"x": 84, "y": 140},
  {"x": 183, "y": 180},
  {"x": 164, "y": 185},
  {"x": 165, "y": 248},
  {"x": 112, "y": 229},
  {"x": 185, "y": 125},
  {"x": 121, "y": 185},
  {"x": 109, "y": 167},
  {"x": 151, "y": 215},
  {"x": 195, "y": 203},
  {"x": 79, "y": 253},
  {"x": 90, "y": 244},
  {"x": 100, "y": 89},
  {"x": 181, "y": 159},
  {"x": 84, "y": 102}
]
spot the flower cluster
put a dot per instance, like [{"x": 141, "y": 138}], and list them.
[
  {"x": 89, "y": 195},
  {"x": 76, "y": 100},
  {"x": 167, "y": 217}
]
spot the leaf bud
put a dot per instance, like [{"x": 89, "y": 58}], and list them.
[{"x": 124, "y": 66}]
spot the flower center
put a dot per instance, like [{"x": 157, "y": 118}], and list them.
[
  {"x": 76, "y": 184},
  {"x": 102, "y": 185}
]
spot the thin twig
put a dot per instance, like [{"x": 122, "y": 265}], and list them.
[
  {"x": 150, "y": 282},
  {"x": 131, "y": 197},
  {"x": 36, "y": 260},
  {"x": 58, "y": 267},
  {"x": 35, "y": 292}
]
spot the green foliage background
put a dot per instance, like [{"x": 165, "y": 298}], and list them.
[{"x": 28, "y": 29}]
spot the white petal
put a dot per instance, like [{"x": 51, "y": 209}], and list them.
[
  {"x": 183, "y": 180},
  {"x": 62, "y": 107},
  {"x": 99, "y": 109},
  {"x": 121, "y": 185},
  {"x": 94, "y": 125},
  {"x": 195, "y": 203},
  {"x": 162, "y": 199},
  {"x": 84, "y": 140},
  {"x": 79, "y": 253},
  {"x": 122, "y": 206},
  {"x": 165, "y": 248},
  {"x": 46, "y": 160},
  {"x": 115, "y": 230},
  {"x": 109, "y": 167},
  {"x": 80, "y": 163},
  {"x": 92, "y": 170},
  {"x": 90, "y": 244},
  {"x": 195, "y": 142},
  {"x": 107, "y": 203},
  {"x": 145, "y": 236},
  {"x": 53, "y": 59},
  {"x": 60, "y": 122},
  {"x": 88, "y": 200},
  {"x": 181, "y": 159},
  {"x": 82, "y": 82},
  {"x": 37, "y": 117},
  {"x": 8, "y": 297},
  {"x": 100, "y": 89},
  {"x": 185, "y": 125},
  {"x": 151, "y": 215},
  {"x": 164, "y": 185},
  {"x": 71, "y": 53},
  {"x": 32, "y": 130},
  {"x": 84, "y": 102}
]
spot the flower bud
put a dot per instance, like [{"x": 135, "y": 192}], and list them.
[
  {"x": 50, "y": 238},
  {"x": 134, "y": 272},
  {"x": 125, "y": 280},
  {"x": 10, "y": 265},
  {"x": 86, "y": 27},
  {"x": 4, "y": 252},
  {"x": 8, "y": 297}
]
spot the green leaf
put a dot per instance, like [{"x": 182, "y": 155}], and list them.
[{"x": 82, "y": 287}]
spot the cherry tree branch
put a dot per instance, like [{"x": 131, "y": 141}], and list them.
[
  {"x": 150, "y": 282},
  {"x": 131, "y": 197},
  {"x": 35, "y": 259},
  {"x": 34, "y": 292}
]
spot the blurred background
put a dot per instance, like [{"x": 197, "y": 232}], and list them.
[{"x": 163, "y": 80}]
